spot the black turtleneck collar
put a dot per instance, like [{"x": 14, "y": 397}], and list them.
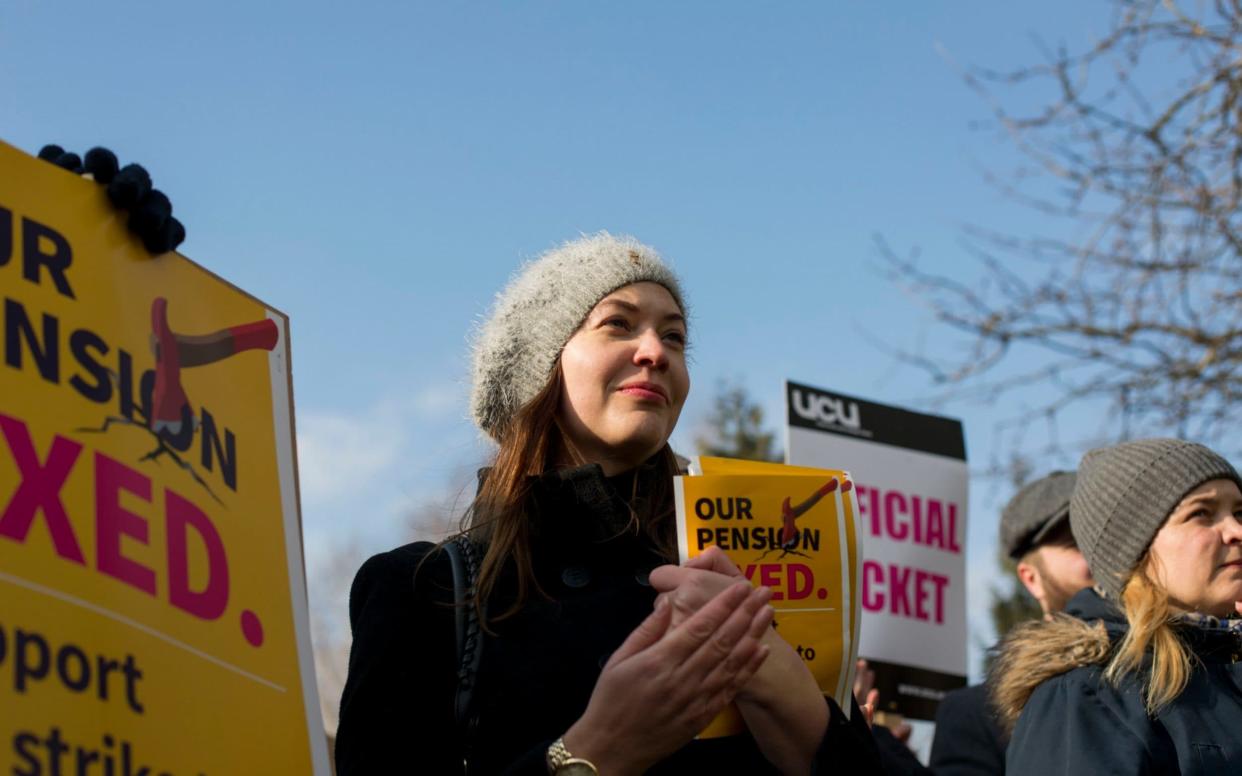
[
  {"x": 580, "y": 504},
  {"x": 576, "y": 508}
]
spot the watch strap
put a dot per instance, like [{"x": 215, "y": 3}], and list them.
[{"x": 558, "y": 756}]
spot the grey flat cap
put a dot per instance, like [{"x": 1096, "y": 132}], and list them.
[{"x": 1035, "y": 511}]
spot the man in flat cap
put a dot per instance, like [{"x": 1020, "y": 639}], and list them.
[{"x": 1035, "y": 532}]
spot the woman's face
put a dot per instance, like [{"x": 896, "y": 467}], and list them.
[
  {"x": 625, "y": 377},
  {"x": 1198, "y": 551}
]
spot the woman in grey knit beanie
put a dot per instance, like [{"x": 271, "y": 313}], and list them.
[
  {"x": 1149, "y": 660},
  {"x": 597, "y": 654}
]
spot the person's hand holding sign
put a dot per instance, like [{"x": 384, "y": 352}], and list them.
[
  {"x": 864, "y": 690},
  {"x": 782, "y": 704}
]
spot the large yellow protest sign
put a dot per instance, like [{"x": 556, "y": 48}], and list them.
[
  {"x": 152, "y": 600},
  {"x": 793, "y": 531}
]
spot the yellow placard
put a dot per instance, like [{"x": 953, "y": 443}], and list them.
[
  {"x": 792, "y": 532},
  {"x": 710, "y": 465},
  {"x": 152, "y": 599}
]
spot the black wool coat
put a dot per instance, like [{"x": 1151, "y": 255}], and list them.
[
  {"x": 969, "y": 740},
  {"x": 1078, "y": 723},
  {"x": 538, "y": 668}
]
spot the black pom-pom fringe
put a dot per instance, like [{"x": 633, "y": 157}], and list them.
[
  {"x": 69, "y": 161},
  {"x": 129, "y": 186},
  {"x": 170, "y": 234},
  {"x": 149, "y": 215},
  {"x": 101, "y": 164}
]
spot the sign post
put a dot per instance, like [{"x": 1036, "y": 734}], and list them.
[
  {"x": 911, "y": 480},
  {"x": 153, "y": 610}
]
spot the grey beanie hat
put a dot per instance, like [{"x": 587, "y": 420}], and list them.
[
  {"x": 540, "y": 309},
  {"x": 1034, "y": 512},
  {"x": 1126, "y": 492}
]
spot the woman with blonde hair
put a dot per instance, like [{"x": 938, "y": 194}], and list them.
[
  {"x": 1142, "y": 675},
  {"x": 592, "y": 653}
]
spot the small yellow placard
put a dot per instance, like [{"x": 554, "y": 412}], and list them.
[{"x": 792, "y": 529}]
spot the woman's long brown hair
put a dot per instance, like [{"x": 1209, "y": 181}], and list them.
[{"x": 531, "y": 444}]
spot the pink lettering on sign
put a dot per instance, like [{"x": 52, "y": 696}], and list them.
[
  {"x": 903, "y": 591},
  {"x": 906, "y": 517},
  {"x": 112, "y": 522},
  {"x": 792, "y": 582},
  {"x": 120, "y": 532},
  {"x": 39, "y": 489},
  {"x": 894, "y": 509},
  {"x": 185, "y": 518}
]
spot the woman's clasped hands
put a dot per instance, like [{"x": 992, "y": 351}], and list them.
[
  {"x": 672, "y": 675},
  {"x": 781, "y": 703},
  {"x": 690, "y": 586}
]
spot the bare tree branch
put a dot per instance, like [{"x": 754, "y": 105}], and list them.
[{"x": 1132, "y": 294}]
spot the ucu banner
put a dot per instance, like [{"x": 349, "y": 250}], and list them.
[
  {"x": 822, "y": 408},
  {"x": 837, "y": 413}
]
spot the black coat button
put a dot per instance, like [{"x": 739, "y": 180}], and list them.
[
  {"x": 643, "y": 577},
  {"x": 575, "y": 576}
]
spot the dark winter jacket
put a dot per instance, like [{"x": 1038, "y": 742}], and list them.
[
  {"x": 969, "y": 740},
  {"x": 1075, "y": 722},
  {"x": 895, "y": 756},
  {"x": 539, "y": 668}
]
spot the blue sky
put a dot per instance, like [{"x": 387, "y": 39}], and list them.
[{"x": 378, "y": 169}]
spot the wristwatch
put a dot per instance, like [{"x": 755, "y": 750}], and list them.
[{"x": 562, "y": 763}]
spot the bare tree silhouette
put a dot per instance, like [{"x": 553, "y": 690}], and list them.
[{"x": 1132, "y": 296}]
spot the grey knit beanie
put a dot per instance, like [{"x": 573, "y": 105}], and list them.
[
  {"x": 1037, "y": 510},
  {"x": 540, "y": 309},
  {"x": 1125, "y": 493}
]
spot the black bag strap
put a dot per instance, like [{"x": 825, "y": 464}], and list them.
[{"x": 463, "y": 559}]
